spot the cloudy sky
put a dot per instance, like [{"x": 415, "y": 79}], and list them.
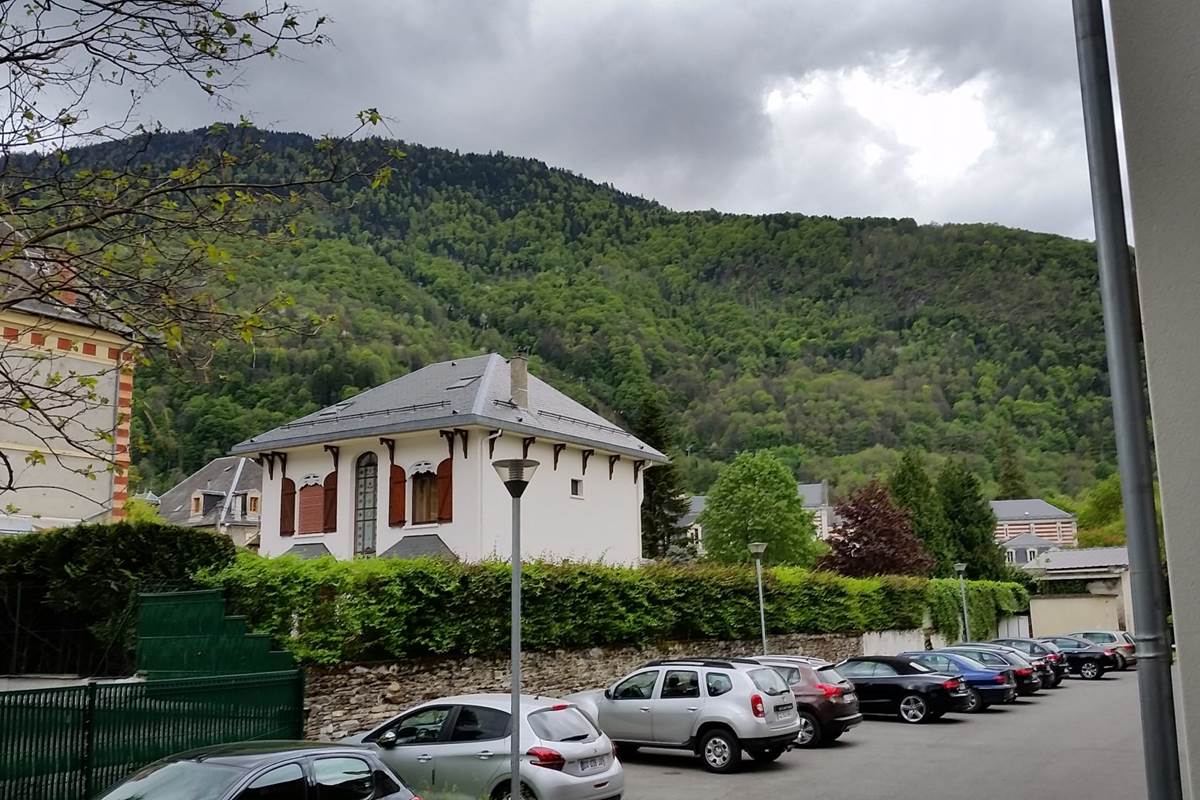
[{"x": 963, "y": 110}]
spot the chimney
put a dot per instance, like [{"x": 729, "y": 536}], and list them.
[{"x": 518, "y": 377}]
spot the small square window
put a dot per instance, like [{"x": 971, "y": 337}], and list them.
[{"x": 576, "y": 487}]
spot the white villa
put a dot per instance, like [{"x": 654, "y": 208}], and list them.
[{"x": 404, "y": 469}]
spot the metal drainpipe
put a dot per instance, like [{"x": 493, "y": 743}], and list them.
[{"x": 1159, "y": 737}]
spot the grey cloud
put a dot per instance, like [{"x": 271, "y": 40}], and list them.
[{"x": 666, "y": 99}]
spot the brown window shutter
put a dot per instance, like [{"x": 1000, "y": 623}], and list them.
[
  {"x": 287, "y": 508},
  {"x": 312, "y": 509},
  {"x": 330, "y": 502},
  {"x": 445, "y": 487},
  {"x": 397, "y": 500}
]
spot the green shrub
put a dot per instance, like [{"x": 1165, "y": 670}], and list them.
[
  {"x": 328, "y": 611},
  {"x": 987, "y": 602}
]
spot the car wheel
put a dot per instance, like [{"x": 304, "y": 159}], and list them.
[
  {"x": 1122, "y": 662},
  {"x": 768, "y": 755},
  {"x": 1090, "y": 670},
  {"x": 502, "y": 792},
  {"x": 975, "y": 702},
  {"x": 914, "y": 709},
  {"x": 810, "y": 733},
  {"x": 721, "y": 750}
]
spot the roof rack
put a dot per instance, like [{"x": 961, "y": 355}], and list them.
[{"x": 720, "y": 663}]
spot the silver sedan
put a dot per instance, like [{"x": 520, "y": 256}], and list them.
[{"x": 459, "y": 747}]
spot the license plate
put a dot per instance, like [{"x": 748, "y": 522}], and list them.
[
  {"x": 785, "y": 710},
  {"x": 589, "y": 764}
]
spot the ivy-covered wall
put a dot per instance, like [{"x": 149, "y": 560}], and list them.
[{"x": 329, "y": 611}]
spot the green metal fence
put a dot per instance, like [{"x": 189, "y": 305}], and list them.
[{"x": 70, "y": 743}]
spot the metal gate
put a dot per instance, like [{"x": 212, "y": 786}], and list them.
[{"x": 70, "y": 743}]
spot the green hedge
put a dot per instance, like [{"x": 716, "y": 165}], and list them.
[
  {"x": 329, "y": 611},
  {"x": 987, "y": 602}
]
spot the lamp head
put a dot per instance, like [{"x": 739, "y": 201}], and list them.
[
  {"x": 516, "y": 473},
  {"x": 757, "y": 549},
  {"x": 960, "y": 567}
]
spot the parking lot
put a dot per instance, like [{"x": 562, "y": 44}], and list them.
[{"x": 1081, "y": 740}]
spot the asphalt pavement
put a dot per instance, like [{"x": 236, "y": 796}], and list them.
[{"x": 1082, "y": 740}]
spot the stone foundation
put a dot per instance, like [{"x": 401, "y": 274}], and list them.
[{"x": 344, "y": 700}]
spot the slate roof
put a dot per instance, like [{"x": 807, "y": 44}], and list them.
[
  {"x": 1083, "y": 559},
  {"x": 215, "y": 477},
  {"x": 695, "y": 508},
  {"x": 1027, "y": 540},
  {"x": 466, "y": 391},
  {"x": 420, "y": 545},
  {"x": 1021, "y": 510},
  {"x": 307, "y": 550},
  {"x": 814, "y": 495}
]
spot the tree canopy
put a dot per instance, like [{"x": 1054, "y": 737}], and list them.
[
  {"x": 911, "y": 489},
  {"x": 755, "y": 500},
  {"x": 875, "y": 537},
  {"x": 663, "y": 500},
  {"x": 970, "y": 522}
]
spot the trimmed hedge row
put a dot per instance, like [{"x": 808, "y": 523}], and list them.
[{"x": 328, "y": 611}]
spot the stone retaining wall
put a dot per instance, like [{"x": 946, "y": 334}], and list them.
[{"x": 352, "y": 698}]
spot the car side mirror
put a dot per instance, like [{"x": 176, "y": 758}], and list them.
[
  {"x": 608, "y": 693},
  {"x": 387, "y": 738}
]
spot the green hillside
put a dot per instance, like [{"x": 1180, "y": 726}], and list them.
[{"x": 835, "y": 341}]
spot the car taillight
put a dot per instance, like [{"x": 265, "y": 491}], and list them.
[
  {"x": 1108, "y": 652},
  {"x": 545, "y": 757},
  {"x": 829, "y": 690},
  {"x": 756, "y": 705},
  {"x": 1024, "y": 672},
  {"x": 1001, "y": 678},
  {"x": 951, "y": 684}
]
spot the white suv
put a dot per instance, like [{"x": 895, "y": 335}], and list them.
[{"x": 715, "y": 707}]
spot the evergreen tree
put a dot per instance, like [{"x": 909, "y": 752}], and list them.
[
  {"x": 911, "y": 489},
  {"x": 663, "y": 501},
  {"x": 755, "y": 500},
  {"x": 875, "y": 537},
  {"x": 970, "y": 522},
  {"x": 1010, "y": 474}
]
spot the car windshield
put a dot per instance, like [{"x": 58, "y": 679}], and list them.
[
  {"x": 769, "y": 681},
  {"x": 178, "y": 780},
  {"x": 919, "y": 667},
  {"x": 1015, "y": 659},
  {"x": 970, "y": 663},
  {"x": 562, "y": 725}
]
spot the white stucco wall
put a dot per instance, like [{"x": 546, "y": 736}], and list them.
[
  {"x": 603, "y": 525},
  {"x": 889, "y": 643}
]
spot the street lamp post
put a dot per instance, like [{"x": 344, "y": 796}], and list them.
[
  {"x": 757, "y": 549},
  {"x": 516, "y": 473},
  {"x": 961, "y": 568}
]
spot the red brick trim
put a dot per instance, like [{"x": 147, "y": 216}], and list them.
[
  {"x": 64, "y": 343},
  {"x": 114, "y": 353},
  {"x": 89, "y": 348},
  {"x": 37, "y": 338},
  {"x": 12, "y": 334}
]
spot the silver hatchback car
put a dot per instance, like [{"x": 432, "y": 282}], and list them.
[
  {"x": 714, "y": 707},
  {"x": 459, "y": 747}
]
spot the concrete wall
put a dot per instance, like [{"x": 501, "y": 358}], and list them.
[
  {"x": 1051, "y": 614},
  {"x": 1157, "y": 63},
  {"x": 604, "y": 524},
  {"x": 888, "y": 643}
]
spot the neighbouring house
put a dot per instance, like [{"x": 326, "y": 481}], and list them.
[
  {"x": 689, "y": 524},
  {"x": 70, "y": 463},
  {"x": 1047, "y": 522},
  {"x": 404, "y": 469},
  {"x": 1024, "y": 549},
  {"x": 817, "y": 502},
  {"x": 225, "y": 495},
  {"x": 1098, "y": 597}
]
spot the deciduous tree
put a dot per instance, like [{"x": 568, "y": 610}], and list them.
[
  {"x": 755, "y": 500},
  {"x": 875, "y": 537}
]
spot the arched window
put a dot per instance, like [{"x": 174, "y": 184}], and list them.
[
  {"x": 366, "y": 496},
  {"x": 424, "y": 494}
]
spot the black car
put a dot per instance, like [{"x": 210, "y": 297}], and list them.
[
  {"x": 1029, "y": 681},
  {"x": 1045, "y": 650},
  {"x": 1085, "y": 659},
  {"x": 915, "y": 693},
  {"x": 264, "y": 771}
]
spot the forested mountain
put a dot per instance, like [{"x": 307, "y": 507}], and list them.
[{"x": 835, "y": 341}]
